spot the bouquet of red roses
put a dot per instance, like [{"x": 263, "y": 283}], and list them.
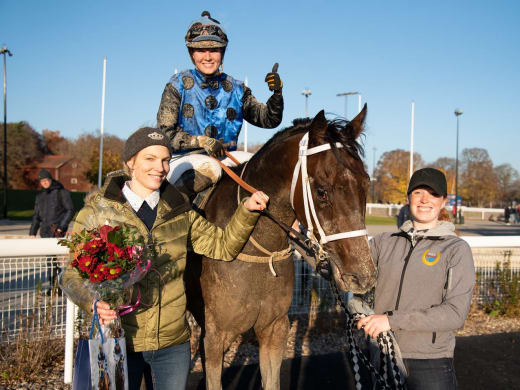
[{"x": 111, "y": 259}]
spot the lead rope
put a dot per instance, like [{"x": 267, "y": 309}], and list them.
[{"x": 357, "y": 355}]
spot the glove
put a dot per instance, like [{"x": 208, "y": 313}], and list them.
[
  {"x": 273, "y": 79},
  {"x": 212, "y": 146}
]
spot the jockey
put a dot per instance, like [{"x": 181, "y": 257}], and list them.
[{"x": 205, "y": 108}]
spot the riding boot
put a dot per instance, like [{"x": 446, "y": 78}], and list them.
[{"x": 192, "y": 182}]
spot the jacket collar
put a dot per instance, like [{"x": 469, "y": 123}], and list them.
[
  {"x": 174, "y": 201},
  {"x": 444, "y": 229}
]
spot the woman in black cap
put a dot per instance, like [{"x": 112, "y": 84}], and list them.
[
  {"x": 157, "y": 333},
  {"x": 424, "y": 286}
]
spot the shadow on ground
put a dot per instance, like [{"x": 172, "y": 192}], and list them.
[{"x": 482, "y": 362}]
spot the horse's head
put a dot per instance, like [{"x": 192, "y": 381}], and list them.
[{"x": 338, "y": 185}]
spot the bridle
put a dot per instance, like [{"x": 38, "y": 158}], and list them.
[{"x": 308, "y": 202}]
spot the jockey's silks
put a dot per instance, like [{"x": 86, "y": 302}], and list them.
[{"x": 210, "y": 106}]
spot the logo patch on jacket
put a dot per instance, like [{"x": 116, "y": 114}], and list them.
[{"x": 430, "y": 259}]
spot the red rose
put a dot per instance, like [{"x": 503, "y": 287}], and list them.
[{"x": 105, "y": 229}]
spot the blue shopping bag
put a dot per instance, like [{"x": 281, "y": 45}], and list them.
[{"x": 81, "y": 379}]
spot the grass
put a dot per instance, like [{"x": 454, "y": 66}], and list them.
[
  {"x": 17, "y": 215},
  {"x": 373, "y": 220}
]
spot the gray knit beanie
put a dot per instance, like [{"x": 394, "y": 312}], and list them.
[{"x": 142, "y": 138}]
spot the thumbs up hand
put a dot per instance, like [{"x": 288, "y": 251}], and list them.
[{"x": 273, "y": 80}]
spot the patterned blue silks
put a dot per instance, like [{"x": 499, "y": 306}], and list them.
[{"x": 211, "y": 107}]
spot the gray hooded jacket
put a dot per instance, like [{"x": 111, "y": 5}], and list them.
[{"x": 425, "y": 285}]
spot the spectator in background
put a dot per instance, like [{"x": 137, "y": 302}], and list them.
[
  {"x": 404, "y": 215},
  {"x": 53, "y": 211},
  {"x": 506, "y": 214}
]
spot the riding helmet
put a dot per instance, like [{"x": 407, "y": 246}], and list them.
[{"x": 206, "y": 33}]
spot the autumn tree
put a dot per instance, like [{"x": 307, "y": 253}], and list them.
[
  {"x": 507, "y": 182},
  {"x": 55, "y": 144},
  {"x": 24, "y": 146},
  {"x": 447, "y": 166},
  {"x": 479, "y": 180},
  {"x": 87, "y": 144},
  {"x": 112, "y": 161},
  {"x": 392, "y": 175}
]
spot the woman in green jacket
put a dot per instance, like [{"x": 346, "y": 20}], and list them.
[{"x": 157, "y": 333}]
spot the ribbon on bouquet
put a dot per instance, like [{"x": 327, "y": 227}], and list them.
[{"x": 125, "y": 309}]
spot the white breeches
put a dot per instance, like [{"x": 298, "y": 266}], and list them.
[{"x": 202, "y": 163}]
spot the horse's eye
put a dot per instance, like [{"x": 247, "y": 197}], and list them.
[{"x": 322, "y": 194}]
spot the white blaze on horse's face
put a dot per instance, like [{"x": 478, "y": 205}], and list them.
[{"x": 338, "y": 183}]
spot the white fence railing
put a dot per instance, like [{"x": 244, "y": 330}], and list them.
[{"x": 28, "y": 266}]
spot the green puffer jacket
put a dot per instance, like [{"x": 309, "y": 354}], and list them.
[{"x": 160, "y": 319}]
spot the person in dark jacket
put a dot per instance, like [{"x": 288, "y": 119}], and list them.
[
  {"x": 424, "y": 287},
  {"x": 205, "y": 107},
  {"x": 53, "y": 211},
  {"x": 53, "y": 208}
]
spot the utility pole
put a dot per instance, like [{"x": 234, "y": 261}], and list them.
[
  {"x": 102, "y": 129},
  {"x": 4, "y": 50}
]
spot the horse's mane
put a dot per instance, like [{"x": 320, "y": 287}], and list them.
[{"x": 338, "y": 130}]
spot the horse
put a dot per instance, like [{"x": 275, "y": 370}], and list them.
[{"x": 229, "y": 298}]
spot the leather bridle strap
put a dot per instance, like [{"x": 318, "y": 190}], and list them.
[
  {"x": 234, "y": 176},
  {"x": 295, "y": 235},
  {"x": 308, "y": 202}
]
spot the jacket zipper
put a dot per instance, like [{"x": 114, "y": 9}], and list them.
[{"x": 407, "y": 258}]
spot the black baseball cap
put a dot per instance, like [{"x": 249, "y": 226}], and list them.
[{"x": 430, "y": 177}]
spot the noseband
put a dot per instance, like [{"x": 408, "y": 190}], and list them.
[{"x": 308, "y": 202}]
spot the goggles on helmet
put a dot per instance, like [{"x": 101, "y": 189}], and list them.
[{"x": 206, "y": 32}]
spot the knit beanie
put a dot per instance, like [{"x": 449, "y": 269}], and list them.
[
  {"x": 44, "y": 174},
  {"x": 142, "y": 138}
]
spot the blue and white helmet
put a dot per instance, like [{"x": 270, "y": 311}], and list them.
[{"x": 206, "y": 33}]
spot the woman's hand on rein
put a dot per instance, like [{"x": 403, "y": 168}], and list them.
[
  {"x": 257, "y": 202},
  {"x": 374, "y": 325},
  {"x": 105, "y": 314}
]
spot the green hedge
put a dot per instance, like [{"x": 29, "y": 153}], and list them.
[{"x": 20, "y": 203}]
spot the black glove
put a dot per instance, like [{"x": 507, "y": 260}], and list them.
[
  {"x": 212, "y": 146},
  {"x": 273, "y": 79}
]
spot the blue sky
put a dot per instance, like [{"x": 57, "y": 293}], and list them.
[{"x": 442, "y": 55}]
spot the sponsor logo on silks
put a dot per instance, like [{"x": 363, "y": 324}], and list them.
[{"x": 430, "y": 259}]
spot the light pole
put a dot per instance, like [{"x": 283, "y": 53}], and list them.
[
  {"x": 458, "y": 112},
  {"x": 346, "y": 95},
  {"x": 306, "y": 92},
  {"x": 374, "y": 175},
  {"x": 4, "y": 50}
]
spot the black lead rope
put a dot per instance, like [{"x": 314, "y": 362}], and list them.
[
  {"x": 356, "y": 354},
  {"x": 297, "y": 237}
]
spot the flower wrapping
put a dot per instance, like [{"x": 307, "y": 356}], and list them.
[{"x": 111, "y": 260}]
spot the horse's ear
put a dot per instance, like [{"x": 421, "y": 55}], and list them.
[
  {"x": 319, "y": 123},
  {"x": 358, "y": 123}
]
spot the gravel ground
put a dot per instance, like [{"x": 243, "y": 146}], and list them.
[{"x": 499, "y": 340}]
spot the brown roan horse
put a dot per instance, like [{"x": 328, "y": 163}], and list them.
[{"x": 229, "y": 298}]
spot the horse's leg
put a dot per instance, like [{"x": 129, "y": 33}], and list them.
[
  {"x": 216, "y": 342},
  {"x": 272, "y": 340}
]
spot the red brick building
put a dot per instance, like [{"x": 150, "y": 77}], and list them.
[{"x": 67, "y": 170}]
